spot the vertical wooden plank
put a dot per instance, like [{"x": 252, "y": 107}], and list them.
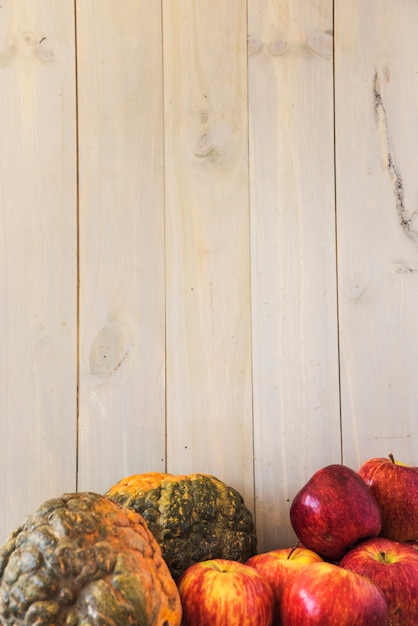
[
  {"x": 296, "y": 398},
  {"x": 37, "y": 256},
  {"x": 122, "y": 396},
  {"x": 377, "y": 189},
  {"x": 209, "y": 407}
]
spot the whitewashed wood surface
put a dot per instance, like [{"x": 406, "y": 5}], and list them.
[
  {"x": 208, "y": 244},
  {"x": 294, "y": 304},
  {"x": 38, "y": 252},
  {"x": 209, "y": 402},
  {"x": 122, "y": 240},
  {"x": 377, "y": 202}
]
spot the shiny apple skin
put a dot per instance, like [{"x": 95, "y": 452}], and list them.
[
  {"x": 392, "y": 566},
  {"x": 323, "y": 595},
  {"x": 333, "y": 511},
  {"x": 395, "y": 487},
  {"x": 220, "y": 592},
  {"x": 279, "y": 566}
]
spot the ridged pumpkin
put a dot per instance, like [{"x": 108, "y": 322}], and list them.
[
  {"x": 82, "y": 560},
  {"x": 193, "y": 517}
]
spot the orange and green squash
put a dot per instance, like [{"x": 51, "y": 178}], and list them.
[
  {"x": 193, "y": 517},
  {"x": 82, "y": 560}
]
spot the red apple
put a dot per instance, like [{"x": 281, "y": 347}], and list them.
[
  {"x": 395, "y": 487},
  {"x": 333, "y": 511},
  {"x": 278, "y": 567},
  {"x": 325, "y": 594},
  {"x": 220, "y": 592},
  {"x": 393, "y": 566}
]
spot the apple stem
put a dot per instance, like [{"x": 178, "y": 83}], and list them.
[
  {"x": 392, "y": 458},
  {"x": 295, "y": 547}
]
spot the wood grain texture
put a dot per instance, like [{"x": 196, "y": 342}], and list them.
[
  {"x": 209, "y": 405},
  {"x": 228, "y": 258},
  {"x": 37, "y": 256},
  {"x": 122, "y": 361},
  {"x": 294, "y": 312},
  {"x": 377, "y": 190}
]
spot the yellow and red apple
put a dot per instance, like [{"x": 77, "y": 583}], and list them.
[
  {"x": 325, "y": 594},
  {"x": 278, "y": 567},
  {"x": 395, "y": 488},
  {"x": 393, "y": 566},
  {"x": 221, "y": 592}
]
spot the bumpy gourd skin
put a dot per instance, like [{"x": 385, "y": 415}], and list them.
[
  {"x": 193, "y": 517},
  {"x": 81, "y": 560}
]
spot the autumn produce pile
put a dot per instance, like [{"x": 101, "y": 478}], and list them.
[{"x": 164, "y": 550}]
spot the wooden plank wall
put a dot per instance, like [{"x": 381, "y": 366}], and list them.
[
  {"x": 122, "y": 240},
  {"x": 377, "y": 195},
  {"x": 294, "y": 305},
  {"x": 38, "y": 252},
  {"x": 208, "y": 243}
]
